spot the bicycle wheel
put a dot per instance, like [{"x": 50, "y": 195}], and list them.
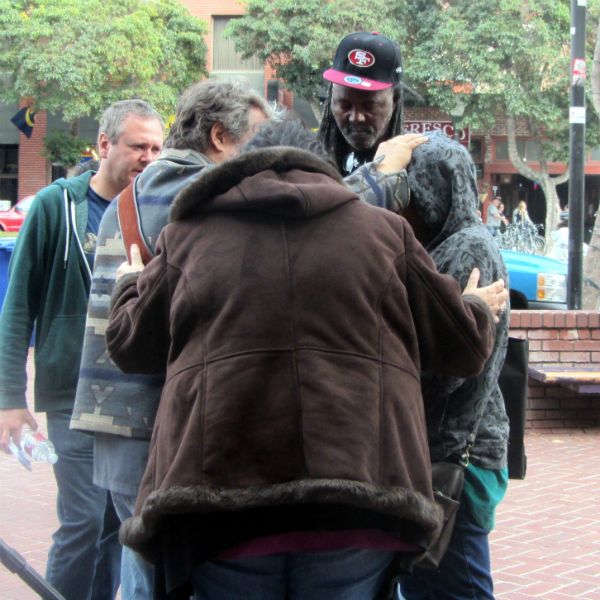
[{"x": 540, "y": 244}]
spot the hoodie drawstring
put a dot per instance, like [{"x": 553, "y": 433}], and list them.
[
  {"x": 70, "y": 220},
  {"x": 68, "y": 228}
]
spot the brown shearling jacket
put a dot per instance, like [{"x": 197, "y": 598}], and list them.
[{"x": 292, "y": 321}]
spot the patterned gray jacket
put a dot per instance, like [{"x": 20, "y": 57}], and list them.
[{"x": 443, "y": 188}]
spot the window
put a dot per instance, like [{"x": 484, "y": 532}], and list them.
[
  {"x": 9, "y": 172},
  {"x": 528, "y": 150},
  {"x": 225, "y": 56},
  {"x": 227, "y": 62}
]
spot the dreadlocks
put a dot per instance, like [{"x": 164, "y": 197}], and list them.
[{"x": 333, "y": 139}]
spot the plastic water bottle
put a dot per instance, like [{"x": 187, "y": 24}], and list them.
[{"x": 37, "y": 446}]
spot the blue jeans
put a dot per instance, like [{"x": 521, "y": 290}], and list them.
[
  {"x": 80, "y": 506},
  {"x": 465, "y": 571},
  {"x": 341, "y": 575},
  {"x": 137, "y": 575},
  {"x": 108, "y": 565}
]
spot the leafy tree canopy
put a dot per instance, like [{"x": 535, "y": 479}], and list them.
[
  {"x": 76, "y": 58},
  {"x": 299, "y": 38},
  {"x": 515, "y": 53}
]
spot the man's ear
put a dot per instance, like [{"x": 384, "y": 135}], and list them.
[
  {"x": 103, "y": 145},
  {"x": 218, "y": 137}
]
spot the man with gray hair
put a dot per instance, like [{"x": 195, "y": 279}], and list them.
[
  {"x": 214, "y": 119},
  {"x": 49, "y": 284}
]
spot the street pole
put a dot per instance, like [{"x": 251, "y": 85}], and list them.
[
  {"x": 577, "y": 154},
  {"x": 455, "y": 133}
]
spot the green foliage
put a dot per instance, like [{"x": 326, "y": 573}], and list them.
[
  {"x": 78, "y": 57},
  {"x": 299, "y": 38},
  {"x": 63, "y": 149},
  {"x": 515, "y": 53}
]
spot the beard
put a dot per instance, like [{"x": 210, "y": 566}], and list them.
[{"x": 360, "y": 137}]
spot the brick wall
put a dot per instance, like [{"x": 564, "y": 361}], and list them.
[
  {"x": 569, "y": 339},
  {"x": 31, "y": 162}
]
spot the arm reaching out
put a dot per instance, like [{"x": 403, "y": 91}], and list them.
[{"x": 395, "y": 154}]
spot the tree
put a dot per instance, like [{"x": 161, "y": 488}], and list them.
[
  {"x": 517, "y": 56},
  {"x": 513, "y": 54},
  {"x": 76, "y": 58},
  {"x": 299, "y": 39}
]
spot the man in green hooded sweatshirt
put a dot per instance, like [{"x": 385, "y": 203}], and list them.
[{"x": 49, "y": 285}]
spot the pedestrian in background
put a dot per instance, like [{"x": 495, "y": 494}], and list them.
[
  {"x": 520, "y": 215},
  {"x": 494, "y": 217},
  {"x": 49, "y": 284},
  {"x": 503, "y": 219}
]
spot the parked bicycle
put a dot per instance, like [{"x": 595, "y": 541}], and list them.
[{"x": 523, "y": 237}]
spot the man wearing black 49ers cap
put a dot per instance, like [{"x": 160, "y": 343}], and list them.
[{"x": 364, "y": 107}]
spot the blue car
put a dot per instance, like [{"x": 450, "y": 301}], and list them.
[{"x": 536, "y": 282}]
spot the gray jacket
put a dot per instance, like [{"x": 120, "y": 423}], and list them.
[
  {"x": 443, "y": 188},
  {"x": 107, "y": 400}
]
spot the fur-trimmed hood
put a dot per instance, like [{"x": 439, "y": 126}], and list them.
[{"x": 269, "y": 180}]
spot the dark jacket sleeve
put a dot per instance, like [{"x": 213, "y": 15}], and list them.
[
  {"x": 137, "y": 336},
  {"x": 456, "y": 333},
  {"x": 27, "y": 279}
]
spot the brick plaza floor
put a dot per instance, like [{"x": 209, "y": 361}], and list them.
[{"x": 546, "y": 544}]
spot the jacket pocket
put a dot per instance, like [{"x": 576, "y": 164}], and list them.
[{"x": 57, "y": 360}]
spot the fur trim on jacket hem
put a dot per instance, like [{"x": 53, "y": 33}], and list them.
[{"x": 397, "y": 504}]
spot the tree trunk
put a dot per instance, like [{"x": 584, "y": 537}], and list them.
[
  {"x": 546, "y": 181},
  {"x": 548, "y": 186},
  {"x": 74, "y": 128},
  {"x": 591, "y": 272},
  {"x": 595, "y": 78},
  {"x": 591, "y": 263}
]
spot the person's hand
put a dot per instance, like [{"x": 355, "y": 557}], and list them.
[
  {"x": 136, "y": 266},
  {"x": 11, "y": 423},
  {"x": 397, "y": 152},
  {"x": 494, "y": 295}
]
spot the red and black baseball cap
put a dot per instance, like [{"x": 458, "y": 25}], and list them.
[{"x": 366, "y": 61}]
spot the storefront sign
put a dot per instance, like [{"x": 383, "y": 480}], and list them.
[{"x": 464, "y": 135}]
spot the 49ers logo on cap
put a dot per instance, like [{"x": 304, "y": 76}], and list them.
[{"x": 361, "y": 58}]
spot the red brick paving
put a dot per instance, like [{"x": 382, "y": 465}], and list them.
[
  {"x": 27, "y": 518},
  {"x": 547, "y": 540},
  {"x": 546, "y": 544}
]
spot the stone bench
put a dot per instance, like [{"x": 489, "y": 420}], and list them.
[{"x": 583, "y": 379}]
